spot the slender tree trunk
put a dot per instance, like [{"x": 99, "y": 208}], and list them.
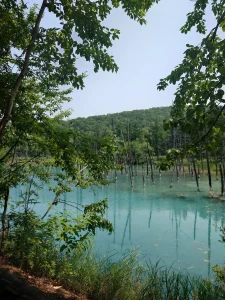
[
  {"x": 192, "y": 173},
  {"x": 54, "y": 202},
  {"x": 222, "y": 180},
  {"x": 177, "y": 170},
  {"x": 143, "y": 179},
  {"x": 4, "y": 227},
  {"x": 196, "y": 174},
  {"x": 216, "y": 162},
  {"x": 189, "y": 167},
  {"x": 115, "y": 174},
  {"x": 152, "y": 175},
  {"x": 209, "y": 171},
  {"x": 151, "y": 164},
  {"x": 147, "y": 166},
  {"x": 183, "y": 166},
  {"x": 202, "y": 162},
  {"x": 199, "y": 173}
]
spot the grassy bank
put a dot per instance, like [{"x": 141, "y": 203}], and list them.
[
  {"x": 36, "y": 252},
  {"x": 125, "y": 279}
]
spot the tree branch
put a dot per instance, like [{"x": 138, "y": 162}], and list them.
[
  {"x": 54, "y": 202},
  {"x": 23, "y": 72},
  {"x": 211, "y": 127},
  {"x": 8, "y": 152}
]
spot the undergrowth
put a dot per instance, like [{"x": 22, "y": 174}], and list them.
[{"x": 33, "y": 247}]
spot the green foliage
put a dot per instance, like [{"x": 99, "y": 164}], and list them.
[
  {"x": 104, "y": 278},
  {"x": 48, "y": 248},
  {"x": 220, "y": 274},
  {"x": 74, "y": 231},
  {"x": 27, "y": 232},
  {"x": 220, "y": 270},
  {"x": 168, "y": 284},
  {"x": 48, "y": 55},
  {"x": 94, "y": 214},
  {"x": 198, "y": 106},
  {"x": 140, "y": 126},
  {"x": 29, "y": 242},
  {"x": 139, "y": 121},
  {"x": 37, "y": 63}
]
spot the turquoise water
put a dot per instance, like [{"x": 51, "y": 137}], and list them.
[{"x": 156, "y": 219}]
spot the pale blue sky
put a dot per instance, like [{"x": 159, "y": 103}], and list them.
[{"x": 144, "y": 54}]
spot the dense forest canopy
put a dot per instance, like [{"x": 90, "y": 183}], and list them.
[{"x": 139, "y": 122}]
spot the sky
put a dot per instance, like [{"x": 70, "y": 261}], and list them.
[{"x": 144, "y": 54}]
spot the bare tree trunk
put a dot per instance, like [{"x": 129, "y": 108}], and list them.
[
  {"x": 199, "y": 173},
  {"x": 152, "y": 175},
  {"x": 189, "y": 167},
  {"x": 216, "y": 162},
  {"x": 177, "y": 170},
  {"x": 222, "y": 180},
  {"x": 147, "y": 165},
  {"x": 183, "y": 166},
  {"x": 4, "y": 227},
  {"x": 151, "y": 164},
  {"x": 202, "y": 161},
  {"x": 143, "y": 178},
  {"x": 209, "y": 171},
  {"x": 196, "y": 174}
]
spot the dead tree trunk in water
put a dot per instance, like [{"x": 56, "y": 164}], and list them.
[
  {"x": 189, "y": 167},
  {"x": 216, "y": 162},
  {"x": 147, "y": 165},
  {"x": 128, "y": 159},
  {"x": 151, "y": 164},
  {"x": 182, "y": 162},
  {"x": 199, "y": 173},
  {"x": 177, "y": 170},
  {"x": 209, "y": 171},
  {"x": 222, "y": 180},
  {"x": 143, "y": 178},
  {"x": 196, "y": 174},
  {"x": 202, "y": 163}
]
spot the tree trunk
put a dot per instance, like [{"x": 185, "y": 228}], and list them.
[
  {"x": 4, "y": 227},
  {"x": 177, "y": 170},
  {"x": 189, "y": 167},
  {"x": 209, "y": 171},
  {"x": 222, "y": 180},
  {"x": 143, "y": 179},
  {"x": 151, "y": 165},
  {"x": 196, "y": 174},
  {"x": 147, "y": 166},
  {"x": 216, "y": 168}
]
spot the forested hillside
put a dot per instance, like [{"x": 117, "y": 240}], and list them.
[{"x": 136, "y": 125}]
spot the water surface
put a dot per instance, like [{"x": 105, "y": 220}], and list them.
[{"x": 183, "y": 231}]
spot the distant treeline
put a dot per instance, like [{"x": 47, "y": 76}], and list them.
[{"x": 137, "y": 125}]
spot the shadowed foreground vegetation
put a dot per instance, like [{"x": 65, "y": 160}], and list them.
[{"x": 80, "y": 269}]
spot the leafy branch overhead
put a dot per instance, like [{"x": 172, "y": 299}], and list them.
[
  {"x": 49, "y": 54},
  {"x": 198, "y": 106},
  {"x": 37, "y": 62},
  {"x": 38, "y": 70}
]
